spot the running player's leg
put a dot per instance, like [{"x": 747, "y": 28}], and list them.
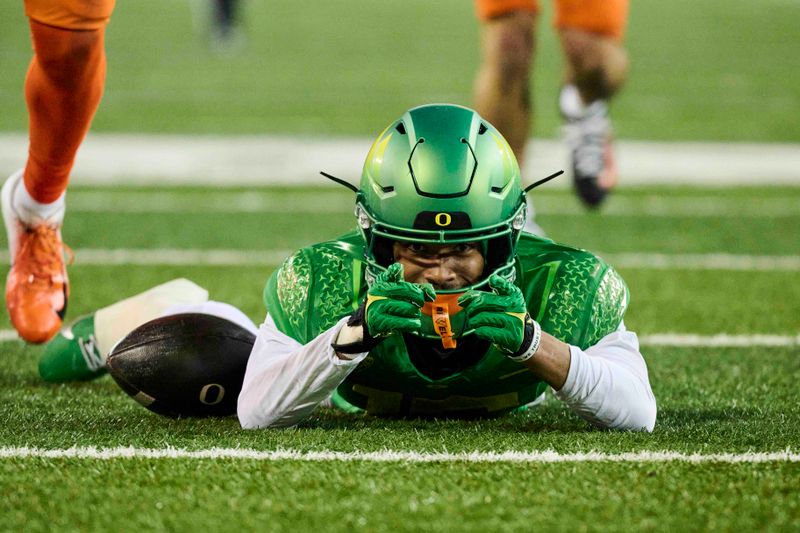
[
  {"x": 591, "y": 36},
  {"x": 63, "y": 88},
  {"x": 502, "y": 94},
  {"x": 501, "y": 85},
  {"x": 225, "y": 21}
]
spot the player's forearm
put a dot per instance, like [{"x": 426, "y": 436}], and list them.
[
  {"x": 607, "y": 384},
  {"x": 551, "y": 361},
  {"x": 285, "y": 380}
]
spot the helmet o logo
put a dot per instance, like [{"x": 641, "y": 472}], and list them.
[
  {"x": 443, "y": 219},
  {"x": 212, "y": 394}
]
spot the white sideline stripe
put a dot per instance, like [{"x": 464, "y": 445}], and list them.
[
  {"x": 678, "y": 340},
  {"x": 328, "y": 202},
  {"x": 171, "y": 256},
  {"x": 717, "y": 341},
  {"x": 712, "y": 261},
  {"x": 218, "y": 257},
  {"x": 547, "y": 456},
  {"x": 9, "y": 335},
  {"x": 276, "y": 159}
]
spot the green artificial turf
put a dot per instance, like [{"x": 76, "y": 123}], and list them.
[
  {"x": 289, "y": 496},
  {"x": 710, "y": 399},
  {"x": 265, "y": 231},
  {"x": 279, "y": 220},
  {"x": 675, "y": 220},
  {"x": 724, "y": 70},
  {"x": 701, "y": 302}
]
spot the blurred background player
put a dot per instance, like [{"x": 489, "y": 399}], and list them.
[
  {"x": 225, "y": 30},
  {"x": 590, "y": 32},
  {"x": 220, "y": 22},
  {"x": 63, "y": 88}
]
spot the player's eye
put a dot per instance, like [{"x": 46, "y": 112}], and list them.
[
  {"x": 466, "y": 247},
  {"x": 415, "y": 248}
]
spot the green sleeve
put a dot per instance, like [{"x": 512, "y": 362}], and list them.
[
  {"x": 287, "y": 296},
  {"x": 313, "y": 289},
  {"x": 608, "y": 307},
  {"x": 586, "y": 300}
]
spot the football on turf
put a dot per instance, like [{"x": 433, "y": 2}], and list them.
[{"x": 188, "y": 364}]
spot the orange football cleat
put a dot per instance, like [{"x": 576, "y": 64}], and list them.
[{"x": 37, "y": 287}]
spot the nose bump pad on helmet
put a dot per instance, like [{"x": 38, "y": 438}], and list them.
[{"x": 462, "y": 140}]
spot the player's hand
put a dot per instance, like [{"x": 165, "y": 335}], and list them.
[
  {"x": 499, "y": 316},
  {"x": 393, "y": 304}
]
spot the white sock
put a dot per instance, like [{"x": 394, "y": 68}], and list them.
[
  {"x": 214, "y": 308},
  {"x": 112, "y": 323},
  {"x": 573, "y": 107},
  {"x": 31, "y": 212}
]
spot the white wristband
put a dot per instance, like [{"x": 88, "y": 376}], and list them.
[{"x": 531, "y": 351}]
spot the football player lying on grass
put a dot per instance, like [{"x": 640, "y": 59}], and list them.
[{"x": 438, "y": 305}]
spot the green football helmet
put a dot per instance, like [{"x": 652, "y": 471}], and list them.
[{"x": 441, "y": 174}]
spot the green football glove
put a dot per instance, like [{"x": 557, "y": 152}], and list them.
[
  {"x": 499, "y": 317},
  {"x": 392, "y": 306}
]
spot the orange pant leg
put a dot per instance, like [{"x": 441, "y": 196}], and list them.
[
  {"x": 489, "y": 9},
  {"x": 62, "y": 89},
  {"x": 604, "y": 17},
  {"x": 71, "y": 14}
]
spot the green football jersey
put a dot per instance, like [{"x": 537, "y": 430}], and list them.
[{"x": 573, "y": 294}]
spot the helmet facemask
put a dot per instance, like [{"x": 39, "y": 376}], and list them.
[{"x": 498, "y": 246}]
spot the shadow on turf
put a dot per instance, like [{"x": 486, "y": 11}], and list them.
[{"x": 536, "y": 420}]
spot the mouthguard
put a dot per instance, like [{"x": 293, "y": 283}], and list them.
[{"x": 440, "y": 310}]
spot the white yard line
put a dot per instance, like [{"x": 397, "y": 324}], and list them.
[
  {"x": 217, "y": 257},
  {"x": 9, "y": 335},
  {"x": 710, "y": 261},
  {"x": 720, "y": 340},
  {"x": 677, "y": 340},
  {"x": 547, "y": 456},
  {"x": 274, "y": 159},
  {"x": 172, "y": 256}
]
